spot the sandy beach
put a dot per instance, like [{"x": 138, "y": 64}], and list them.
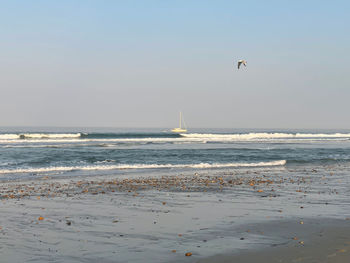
[
  {"x": 320, "y": 241},
  {"x": 236, "y": 215}
]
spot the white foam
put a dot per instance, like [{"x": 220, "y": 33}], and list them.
[
  {"x": 9, "y": 136},
  {"x": 185, "y": 138},
  {"x": 141, "y": 166},
  {"x": 263, "y": 135},
  {"x": 50, "y": 135},
  {"x": 38, "y": 136}
]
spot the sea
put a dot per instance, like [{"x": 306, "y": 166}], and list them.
[{"x": 28, "y": 152}]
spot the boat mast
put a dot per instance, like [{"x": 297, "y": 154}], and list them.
[{"x": 180, "y": 120}]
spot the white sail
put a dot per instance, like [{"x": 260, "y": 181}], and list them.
[{"x": 180, "y": 129}]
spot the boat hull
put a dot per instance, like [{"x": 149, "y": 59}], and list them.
[{"x": 179, "y": 130}]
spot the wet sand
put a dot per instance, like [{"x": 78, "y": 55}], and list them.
[
  {"x": 317, "y": 241},
  {"x": 233, "y": 215}
]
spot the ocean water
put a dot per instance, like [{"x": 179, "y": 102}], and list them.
[{"x": 26, "y": 153}]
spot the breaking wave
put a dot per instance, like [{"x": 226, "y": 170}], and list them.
[
  {"x": 263, "y": 135},
  {"x": 39, "y": 136},
  {"x": 169, "y": 136},
  {"x": 157, "y": 138},
  {"x": 143, "y": 166}
]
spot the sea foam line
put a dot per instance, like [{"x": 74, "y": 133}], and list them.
[
  {"x": 142, "y": 166},
  {"x": 173, "y": 140},
  {"x": 263, "y": 135},
  {"x": 186, "y": 137},
  {"x": 12, "y": 136}
]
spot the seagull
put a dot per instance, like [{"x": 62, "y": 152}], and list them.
[{"x": 241, "y": 61}]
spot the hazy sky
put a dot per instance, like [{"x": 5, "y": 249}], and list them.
[{"x": 137, "y": 63}]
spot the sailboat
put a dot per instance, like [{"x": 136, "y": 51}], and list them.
[{"x": 180, "y": 129}]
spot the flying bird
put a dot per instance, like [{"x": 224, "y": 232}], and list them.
[{"x": 240, "y": 62}]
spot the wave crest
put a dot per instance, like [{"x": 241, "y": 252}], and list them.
[
  {"x": 263, "y": 135},
  {"x": 143, "y": 166},
  {"x": 167, "y": 138},
  {"x": 39, "y": 136}
]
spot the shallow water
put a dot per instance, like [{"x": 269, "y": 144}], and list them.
[{"x": 30, "y": 152}]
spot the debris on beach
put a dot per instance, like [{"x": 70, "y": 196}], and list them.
[{"x": 181, "y": 183}]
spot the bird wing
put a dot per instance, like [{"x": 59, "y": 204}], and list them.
[{"x": 239, "y": 64}]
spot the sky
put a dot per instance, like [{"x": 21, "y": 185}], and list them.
[{"x": 138, "y": 63}]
